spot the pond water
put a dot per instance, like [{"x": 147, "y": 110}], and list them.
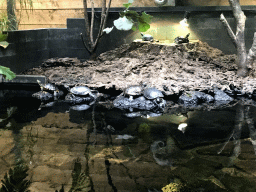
[{"x": 102, "y": 149}]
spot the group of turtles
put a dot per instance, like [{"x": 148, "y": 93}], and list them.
[
  {"x": 76, "y": 95},
  {"x": 140, "y": 97},
  {"x": 135, "y": 96}
]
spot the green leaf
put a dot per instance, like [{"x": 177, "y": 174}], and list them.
[
  {"x": 3, "y": 37},
  {"x": 146, "y": 17},
  {"x": 143, "y": 27},
  {"x": 4, "y": 44},
  {"x": 133, "y": 14},
  {"x": 127, "y": 5},
  {"x": 134, "y": 28},
  {"x": 7, "y": 73}
]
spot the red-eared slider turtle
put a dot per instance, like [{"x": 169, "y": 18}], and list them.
[
  {"x": 82, "y": 91},
  {"x": 47, "y": 87},
  {"x": 152, "y": 93},
  {"x": 155, "y": 95},
  {"x": 147, "y": 37},
  {"x": 181, "y": 39},
  {"x": 133, "y": 90},
  {"x": 50, "y": 88}
]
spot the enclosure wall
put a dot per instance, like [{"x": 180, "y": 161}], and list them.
[{"x": 30, "y": 48}]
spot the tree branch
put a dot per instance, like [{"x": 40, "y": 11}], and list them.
[
  {"x": 230, "y": 32},
  {"x": 87, "y": 28},
  {"x": 92, "y": 24},
  {"x": 252, "y": 52}
]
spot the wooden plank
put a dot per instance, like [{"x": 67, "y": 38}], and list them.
[
  {"x": 216, "y": 2},
  {"x": 40, "y": 26},
  {"x": 49, "y": 17}
]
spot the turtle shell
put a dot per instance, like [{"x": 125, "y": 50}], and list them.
[
  {"x": 147, "y": 37},
  {"x": 152, "y": 93},
  {"x": 81, "y": 90},
  {"x": 133, "y": 90},
  {"x": 47, "y": 87}
]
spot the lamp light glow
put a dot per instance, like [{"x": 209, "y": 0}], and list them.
[{"x": 184, "y": 22}]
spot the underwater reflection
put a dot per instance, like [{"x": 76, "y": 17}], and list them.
[
  {"x": 101, "y": 149},
  {"x": 244, "y": 115}
]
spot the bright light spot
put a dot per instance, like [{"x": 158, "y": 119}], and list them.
[
  {"x": 182, "y": 127},
  {"x": 108, "y": 29},
  {"x": 184, "y": 22}
]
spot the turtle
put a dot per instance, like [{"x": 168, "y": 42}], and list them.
[
  {"x": 82, "y": 107},
  {"x": 50, "y": 88},
  {"x": 47, "y": 87},
  {"x": 82, "y": 91},
  {"x": 147, "y": 37},
  {"x": 181, "y": 39},
  {"x": 154, "y": 94},
  {"x": 133, "y": 90}
]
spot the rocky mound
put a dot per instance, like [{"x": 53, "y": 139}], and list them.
[{"x": 170, "y": 68}]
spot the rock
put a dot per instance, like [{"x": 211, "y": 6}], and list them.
[
  {"x": 138, "y": 103},
  {"x": 221, "y": 96},
  {"x": 71, "y": 98},
  {"x": 194, "y": 98}
]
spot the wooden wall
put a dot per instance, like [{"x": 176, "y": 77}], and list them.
[{"x": 53, "y": 13}]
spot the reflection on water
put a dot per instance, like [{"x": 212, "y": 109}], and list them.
[{"x": 101, "y": 149}]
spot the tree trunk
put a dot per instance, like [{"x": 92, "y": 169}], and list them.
[
  {"x": 238, "y": 39},
  {"x": 89, "y": 43},
  {"x": 13, "y": 25}
]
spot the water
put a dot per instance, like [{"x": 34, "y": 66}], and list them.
[{"x": 107, "y": 151}]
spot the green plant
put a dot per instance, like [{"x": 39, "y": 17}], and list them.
[
  {"x": 139, "y": 22},
  {"x": 15, "y": 179},
  {"x": 7, "y": 73},
  {"x": 130, "y": 19},
  {"x": 3, "y": 27}
]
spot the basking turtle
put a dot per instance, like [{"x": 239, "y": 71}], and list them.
[
  {"x": 47, "y": 87},
  {"x": 181, "y": 39},
  {"x": 82, "y": 91},
  {"x": 154, "y": 94},
  {"x": 50, "y": 88},
  {"x": 133, "y": 90},
  {"x": 147, "y": 37}
]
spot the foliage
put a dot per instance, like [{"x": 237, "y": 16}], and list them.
[
  {"x": 7, "y": 73},
  {"x": 3, "y": 27},
  {"x": 15, "y": 179},
  {"x": 133, "y": 20},
  {"x": 80, "y": 180}
]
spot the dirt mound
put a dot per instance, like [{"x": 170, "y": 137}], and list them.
[{"x": 170, "y": 68}]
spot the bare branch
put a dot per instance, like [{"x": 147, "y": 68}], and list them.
[
  {"x": 252, "y": 52},
  {"x": 103, "y": 24},
  {"x": 87, "y": 28},
  {"x": 230, "y": 32},
  {"x": 92, "y": 23}
]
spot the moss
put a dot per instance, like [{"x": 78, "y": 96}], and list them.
[
  {"x": 176, "y": 186},
  {"x": 144, "y": 128}
]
